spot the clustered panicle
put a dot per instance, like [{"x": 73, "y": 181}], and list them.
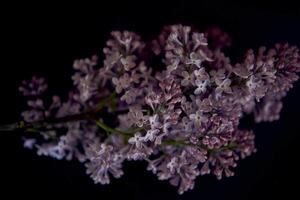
[{"x": 182, "y": 120}]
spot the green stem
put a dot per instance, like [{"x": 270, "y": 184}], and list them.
[
  {"x": 112, "y": 130},
  {"x": 178, "y": 143},
  {"x": 106, "y": 100},
  {"x": 38, "y": 125},
  {"x": 9, "y": 127}
]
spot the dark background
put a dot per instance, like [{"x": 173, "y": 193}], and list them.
[{"x": 45, "y": 39}]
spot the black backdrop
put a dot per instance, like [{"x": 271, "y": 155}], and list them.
[{"x": 44, "y": 39}]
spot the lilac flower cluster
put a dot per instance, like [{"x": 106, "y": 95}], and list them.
[{"x": 183, "y": 120}]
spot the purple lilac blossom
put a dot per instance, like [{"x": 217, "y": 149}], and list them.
[{"x": 182, "y": 120}]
